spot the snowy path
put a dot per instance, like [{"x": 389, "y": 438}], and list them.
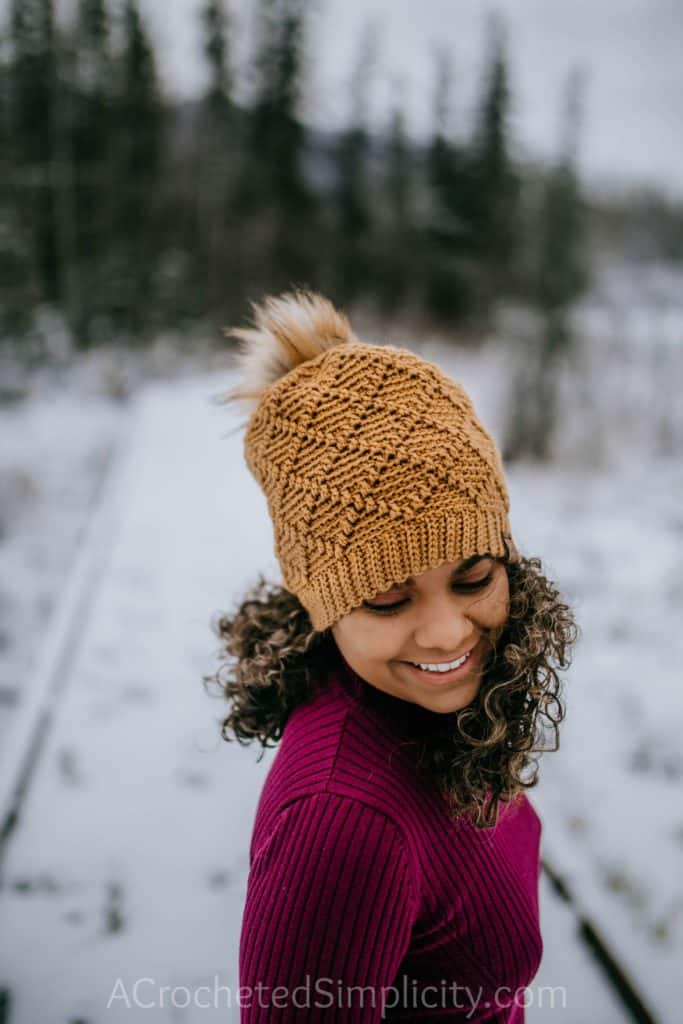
[{"x": 129, "y": 860}]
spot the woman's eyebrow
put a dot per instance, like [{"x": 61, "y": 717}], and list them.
[{"x": 463, "y": 567}]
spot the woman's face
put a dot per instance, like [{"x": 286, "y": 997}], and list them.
[{"x": 434, "y": 619}]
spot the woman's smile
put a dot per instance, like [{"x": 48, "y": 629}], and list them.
[{"x": 437, "y": 676}]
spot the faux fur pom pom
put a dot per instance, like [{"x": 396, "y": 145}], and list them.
[{"x": 286, "y": 330}]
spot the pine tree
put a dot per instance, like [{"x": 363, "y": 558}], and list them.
[
  {"x": 562, "y": 272},
  {"x": 139, "y": 138},
  {"x": 139, "y": 104},
  {"x": 215, "y": 271},
  {"x": 352, "y": 194},
  {"x": 275, "y": 193},
  {"x": 216, "y": 32},
  {"x": 448, "y": 222},
  {"x": 91, "y": 151},
  {"x": 32, "y": 92},
  {"x": 276, "y": 124},
  {"x": 19, "y": 284},
  {"x": 495, "y": 184},
  {"x": 398, "y": 281},
  {"x": 398, "y": 170}
]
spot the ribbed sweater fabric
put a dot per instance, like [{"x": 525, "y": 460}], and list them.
[{"x": 365, "y": 900}]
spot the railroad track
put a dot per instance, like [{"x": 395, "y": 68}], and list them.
[{"x": 34, "y": 718}]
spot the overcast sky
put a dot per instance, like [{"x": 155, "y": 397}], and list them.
[{"x": 631, "y": 50}]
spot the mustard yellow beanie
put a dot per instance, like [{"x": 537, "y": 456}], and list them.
[{"x": 373, "y": 462}]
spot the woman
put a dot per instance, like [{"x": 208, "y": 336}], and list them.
[{"x": 409, "y": 668}]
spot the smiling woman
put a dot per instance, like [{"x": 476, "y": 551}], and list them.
[{"x": 409, "y": 667}]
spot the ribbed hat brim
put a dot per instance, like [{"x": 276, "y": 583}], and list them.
[{"x": 393, "y": 556}]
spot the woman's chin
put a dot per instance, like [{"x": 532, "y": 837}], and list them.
[{"x": 449, "y": 699}]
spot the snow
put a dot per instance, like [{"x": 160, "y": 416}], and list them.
[{"x": 130, "y": 858}]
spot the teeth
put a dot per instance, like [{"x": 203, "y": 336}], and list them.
[{"x": 446, "y": 666}]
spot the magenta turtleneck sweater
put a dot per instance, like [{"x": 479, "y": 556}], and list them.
[{"x": 365, "y": 900}]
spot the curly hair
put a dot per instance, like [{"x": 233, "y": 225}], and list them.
[{"x": 479, "y": 756}]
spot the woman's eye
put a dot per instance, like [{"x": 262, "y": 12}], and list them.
[
  {"x": 384, "y": 609},
  {"x": 389, "y": 609}
]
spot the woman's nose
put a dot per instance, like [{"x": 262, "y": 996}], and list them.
[{"x": 443, "y": 627}]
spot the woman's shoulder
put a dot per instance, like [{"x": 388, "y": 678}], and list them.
[
  {"x": 324, "y": 827},
  {"x": 331, "y": 750}
]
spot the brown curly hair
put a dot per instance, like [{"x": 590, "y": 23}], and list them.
[{"x": 272, "y": 660}]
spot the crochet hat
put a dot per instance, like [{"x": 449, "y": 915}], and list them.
[{"x": 372, "y": 460}]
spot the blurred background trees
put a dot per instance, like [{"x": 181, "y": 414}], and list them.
[{"x": 131, "y": 214}]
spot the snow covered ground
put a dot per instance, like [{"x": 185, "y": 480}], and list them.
[{"x": 130, "y": 860}]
